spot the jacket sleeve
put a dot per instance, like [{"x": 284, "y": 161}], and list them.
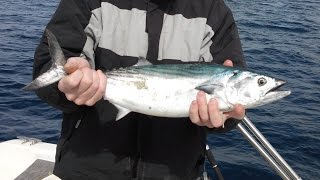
[
  {"x": 67, "y": 24},
  {"x": 225, "y": 45}
]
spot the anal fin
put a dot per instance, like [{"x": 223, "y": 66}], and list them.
[{"x": 121, "y": 112}]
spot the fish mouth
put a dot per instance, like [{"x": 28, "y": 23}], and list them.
[
  {"x": 275, "y": 94},
  {"x": 279, "y": 84}
]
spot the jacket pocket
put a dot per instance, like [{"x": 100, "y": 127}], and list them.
[{"x": 69, "y": 125}]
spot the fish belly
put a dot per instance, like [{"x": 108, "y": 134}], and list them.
[{"x": 153, "y": 96}]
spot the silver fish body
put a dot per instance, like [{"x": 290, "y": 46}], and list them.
[{"x": 167, "y": 90}]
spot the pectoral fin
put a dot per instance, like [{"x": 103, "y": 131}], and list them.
[
  {"x": 121, "y": 112},
  {"x": 209, "y": 87}
]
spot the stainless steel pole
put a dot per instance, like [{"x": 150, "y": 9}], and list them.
[
  {"x": 267, "y": 151},
  {"x": 270, "y": 148},
  {"x": 262, "y": 152}
]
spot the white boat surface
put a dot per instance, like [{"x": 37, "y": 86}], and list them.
[{"x": 26, "y": 158}]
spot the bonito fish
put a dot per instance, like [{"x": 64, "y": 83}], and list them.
[{"x": 167, "y": 90}]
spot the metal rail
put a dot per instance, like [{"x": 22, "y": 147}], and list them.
[{"x": 266, "y": 150}]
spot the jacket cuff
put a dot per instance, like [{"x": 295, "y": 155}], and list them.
[
  {"x": 228, "y": 126},
  {"x": 57, "y": 99}
]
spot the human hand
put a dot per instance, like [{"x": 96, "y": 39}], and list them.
[
  {"x": 82, "y": 85},
  {"x": 208, "y": 114}
]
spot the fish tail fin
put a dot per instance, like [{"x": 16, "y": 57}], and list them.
[{"x": 56, "y": 71}]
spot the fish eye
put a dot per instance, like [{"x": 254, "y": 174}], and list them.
[{"x": 262, "y": 81}]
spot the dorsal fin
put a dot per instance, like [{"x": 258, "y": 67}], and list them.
[{"x": 143, "y": 62}]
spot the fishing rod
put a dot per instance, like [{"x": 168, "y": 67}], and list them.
[
  {"x": 266, "y": 150},
  {"x": 213, "y": 163}
]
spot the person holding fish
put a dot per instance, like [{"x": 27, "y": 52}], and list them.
[{"x": 98, "y": 36}]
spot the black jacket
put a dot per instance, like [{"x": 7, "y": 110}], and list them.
[{"x": 112, "y": 34}]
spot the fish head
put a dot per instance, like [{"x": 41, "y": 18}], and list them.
[{"x": 252, "y": 90}]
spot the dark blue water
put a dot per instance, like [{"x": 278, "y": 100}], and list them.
[{"x": 280, "y": 38}]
